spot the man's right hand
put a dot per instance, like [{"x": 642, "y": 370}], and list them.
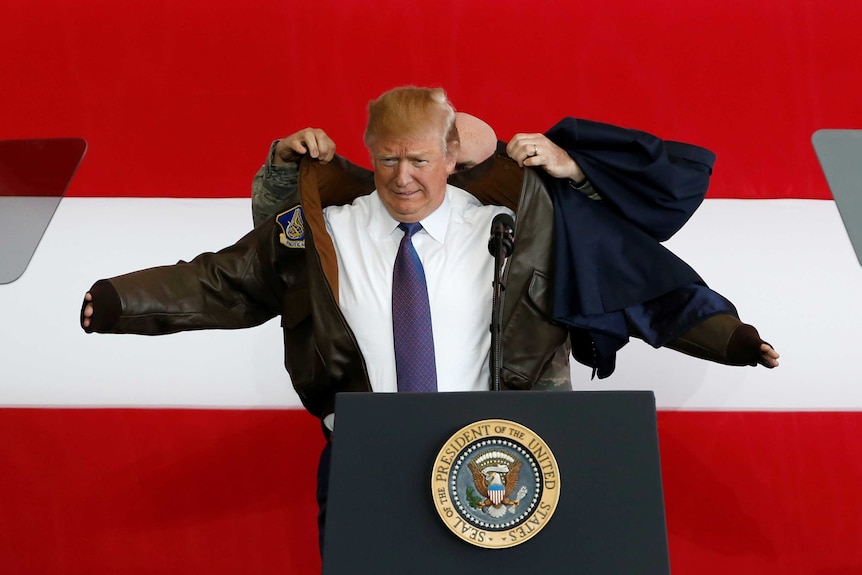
[{"x": 311, "y": 141}]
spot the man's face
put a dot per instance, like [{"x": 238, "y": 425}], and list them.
[{"x": 410, "y": 174}]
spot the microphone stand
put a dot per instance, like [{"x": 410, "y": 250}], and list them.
[
  {"x": 500, "y": 246},
  {"x": 497, "y": 318}
]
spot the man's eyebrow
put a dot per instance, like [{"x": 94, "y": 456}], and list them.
[
  {"x": 418, "y": 154},
  {"x": 410, "y": 155}
]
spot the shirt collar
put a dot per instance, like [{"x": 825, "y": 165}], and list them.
[{"x": 435, "y": 224}]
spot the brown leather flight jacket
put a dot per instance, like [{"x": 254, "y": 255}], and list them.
[{"x": 259, "y": 277}]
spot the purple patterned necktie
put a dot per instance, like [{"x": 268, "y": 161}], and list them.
[{"x": 411, "y": 319}]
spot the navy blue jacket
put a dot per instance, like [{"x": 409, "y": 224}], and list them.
[{"x": 610, "y": 264}]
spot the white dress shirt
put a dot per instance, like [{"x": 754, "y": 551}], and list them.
[{"x": 453, "y": 248}]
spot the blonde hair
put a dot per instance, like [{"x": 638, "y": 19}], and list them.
[{"x": 411, "y": 111}]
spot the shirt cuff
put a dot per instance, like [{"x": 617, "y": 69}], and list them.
[
  {"x": 329, "y": 422},
  {"x": 585, "y": 187}
]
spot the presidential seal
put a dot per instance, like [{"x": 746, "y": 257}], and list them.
[{"x": 495, "y": 484}]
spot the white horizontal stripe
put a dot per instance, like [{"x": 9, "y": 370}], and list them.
[
  {"x": 786, "y": 264},
  {"x": 49, "y": 360}
]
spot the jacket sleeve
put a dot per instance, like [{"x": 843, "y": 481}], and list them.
[
  {"x": 237, "y": 287},
  {"x": 653, "y": 183},
  {"x": 272, "y": 187}
]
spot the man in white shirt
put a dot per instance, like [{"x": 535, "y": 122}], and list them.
[{"x": 411, "y": 161}]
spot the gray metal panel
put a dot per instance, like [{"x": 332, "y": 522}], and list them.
[
  {"x": 840, "y": 156},
  {"x": 23, "y": 221},
  {"x": 34, "y": 176}
]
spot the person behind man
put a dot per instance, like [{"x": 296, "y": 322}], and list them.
[{"x": 327, "y": 265}]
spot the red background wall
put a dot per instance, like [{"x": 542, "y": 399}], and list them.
[{"x": 180, "y": 98}]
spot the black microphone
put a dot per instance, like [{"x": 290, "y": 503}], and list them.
[
  {"x": 500, "y": 245},
  {"x": 502, "y": 234}
]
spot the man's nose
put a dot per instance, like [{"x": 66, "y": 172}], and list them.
[{"x": 403, "y": 174}]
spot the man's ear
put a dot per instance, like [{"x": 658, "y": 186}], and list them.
[{"x": 452, "y": 151}]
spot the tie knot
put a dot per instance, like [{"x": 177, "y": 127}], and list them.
[{"x": 410, "y": 229}]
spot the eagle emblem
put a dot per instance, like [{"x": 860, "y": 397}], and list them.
[
  {"x": 495, "y": 476},
  {"x": 292, "y": 228}
]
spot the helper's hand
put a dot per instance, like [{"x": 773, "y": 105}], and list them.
[
  {"x": 768, "y": 356},
  {"x": 535, "y": 150},
  {"x": 311, "y": 141},
  {"x": 88, "y": 310}
]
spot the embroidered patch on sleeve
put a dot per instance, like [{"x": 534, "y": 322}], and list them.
[{"x": 292, "y": 228}]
